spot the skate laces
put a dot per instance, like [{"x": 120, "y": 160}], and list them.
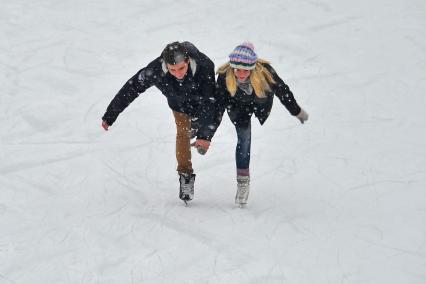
[
  {"x": 243, "y": 184},
  {"x": 186, "y": 183}
]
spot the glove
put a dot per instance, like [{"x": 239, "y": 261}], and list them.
[
  {"x": 302, "y": 116},
  {"x": 105, "y": 125},
  {"x": 201, "y": 145}
]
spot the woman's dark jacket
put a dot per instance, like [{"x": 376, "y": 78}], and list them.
[
  {"x": 241, "y": 106},
  {"x": 193, "y": 95}
]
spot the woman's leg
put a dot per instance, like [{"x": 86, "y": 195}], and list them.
[
  {"x": 183, "y": 147},
  {"x": 242, "y": 151},
  {"x": 242, "y": 157}
]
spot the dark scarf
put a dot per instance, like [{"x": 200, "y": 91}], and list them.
[{"x": 245, "y": 86}]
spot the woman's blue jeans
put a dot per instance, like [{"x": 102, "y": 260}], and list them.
[{"x": 242, "y": 151}]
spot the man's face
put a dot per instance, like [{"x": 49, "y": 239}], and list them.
[{"x": 178, "y": 70}]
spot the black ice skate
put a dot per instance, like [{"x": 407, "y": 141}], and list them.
[{"x": 186, "y": 190}]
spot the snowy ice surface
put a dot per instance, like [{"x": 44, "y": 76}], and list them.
[{"x": 340, "y": 199}]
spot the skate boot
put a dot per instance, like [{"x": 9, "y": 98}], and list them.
[
  {"x": 243, "y": 189},
  {"x": 186, "y": 190}
]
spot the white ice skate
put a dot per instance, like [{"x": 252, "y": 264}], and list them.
[{"x": 243, "y": 189}]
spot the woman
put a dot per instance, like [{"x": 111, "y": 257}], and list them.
[{"x": 246, "y": 85}]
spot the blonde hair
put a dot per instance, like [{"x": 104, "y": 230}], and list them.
[{"x": 260, "y": 78}]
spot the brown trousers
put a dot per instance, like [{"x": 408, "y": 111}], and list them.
[{"x": 183, "y": 141}]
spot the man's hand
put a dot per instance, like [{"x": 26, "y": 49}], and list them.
[
  {"x": 201, "y": 145},
  {"x": 105, "y": 125}
]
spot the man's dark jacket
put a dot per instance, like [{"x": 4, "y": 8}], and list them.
[{"x": 193, "y": 95}]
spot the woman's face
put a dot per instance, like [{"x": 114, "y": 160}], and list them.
[{"x": 242, "y": 74}]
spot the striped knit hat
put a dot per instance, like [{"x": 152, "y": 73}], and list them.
[{"x": 243, "y": 57}]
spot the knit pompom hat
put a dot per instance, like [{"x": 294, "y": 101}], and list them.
[{"x": 243, "y": 57}]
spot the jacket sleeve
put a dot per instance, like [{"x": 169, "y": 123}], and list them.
[
  {"x": 207, "y": 105},
  {"x": 282, "y": 91},
  {"x": 136, "y": 85},
  {"x": 206, "y": 114},
  {"x": 216, "y": 109}
]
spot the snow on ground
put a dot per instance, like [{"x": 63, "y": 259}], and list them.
[{"x": 338, "y": 200}]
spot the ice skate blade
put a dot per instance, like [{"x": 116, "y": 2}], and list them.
[{"x": 241, "y": 205}]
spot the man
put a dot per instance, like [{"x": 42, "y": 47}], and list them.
[{"x": 186, "y": 78}]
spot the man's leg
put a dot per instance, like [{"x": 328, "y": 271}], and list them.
[
  {"x": 183, "y": 143},
  {"x": 183, "y": 156}
]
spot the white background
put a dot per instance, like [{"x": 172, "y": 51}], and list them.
[{"x": 340, "y": 199}]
